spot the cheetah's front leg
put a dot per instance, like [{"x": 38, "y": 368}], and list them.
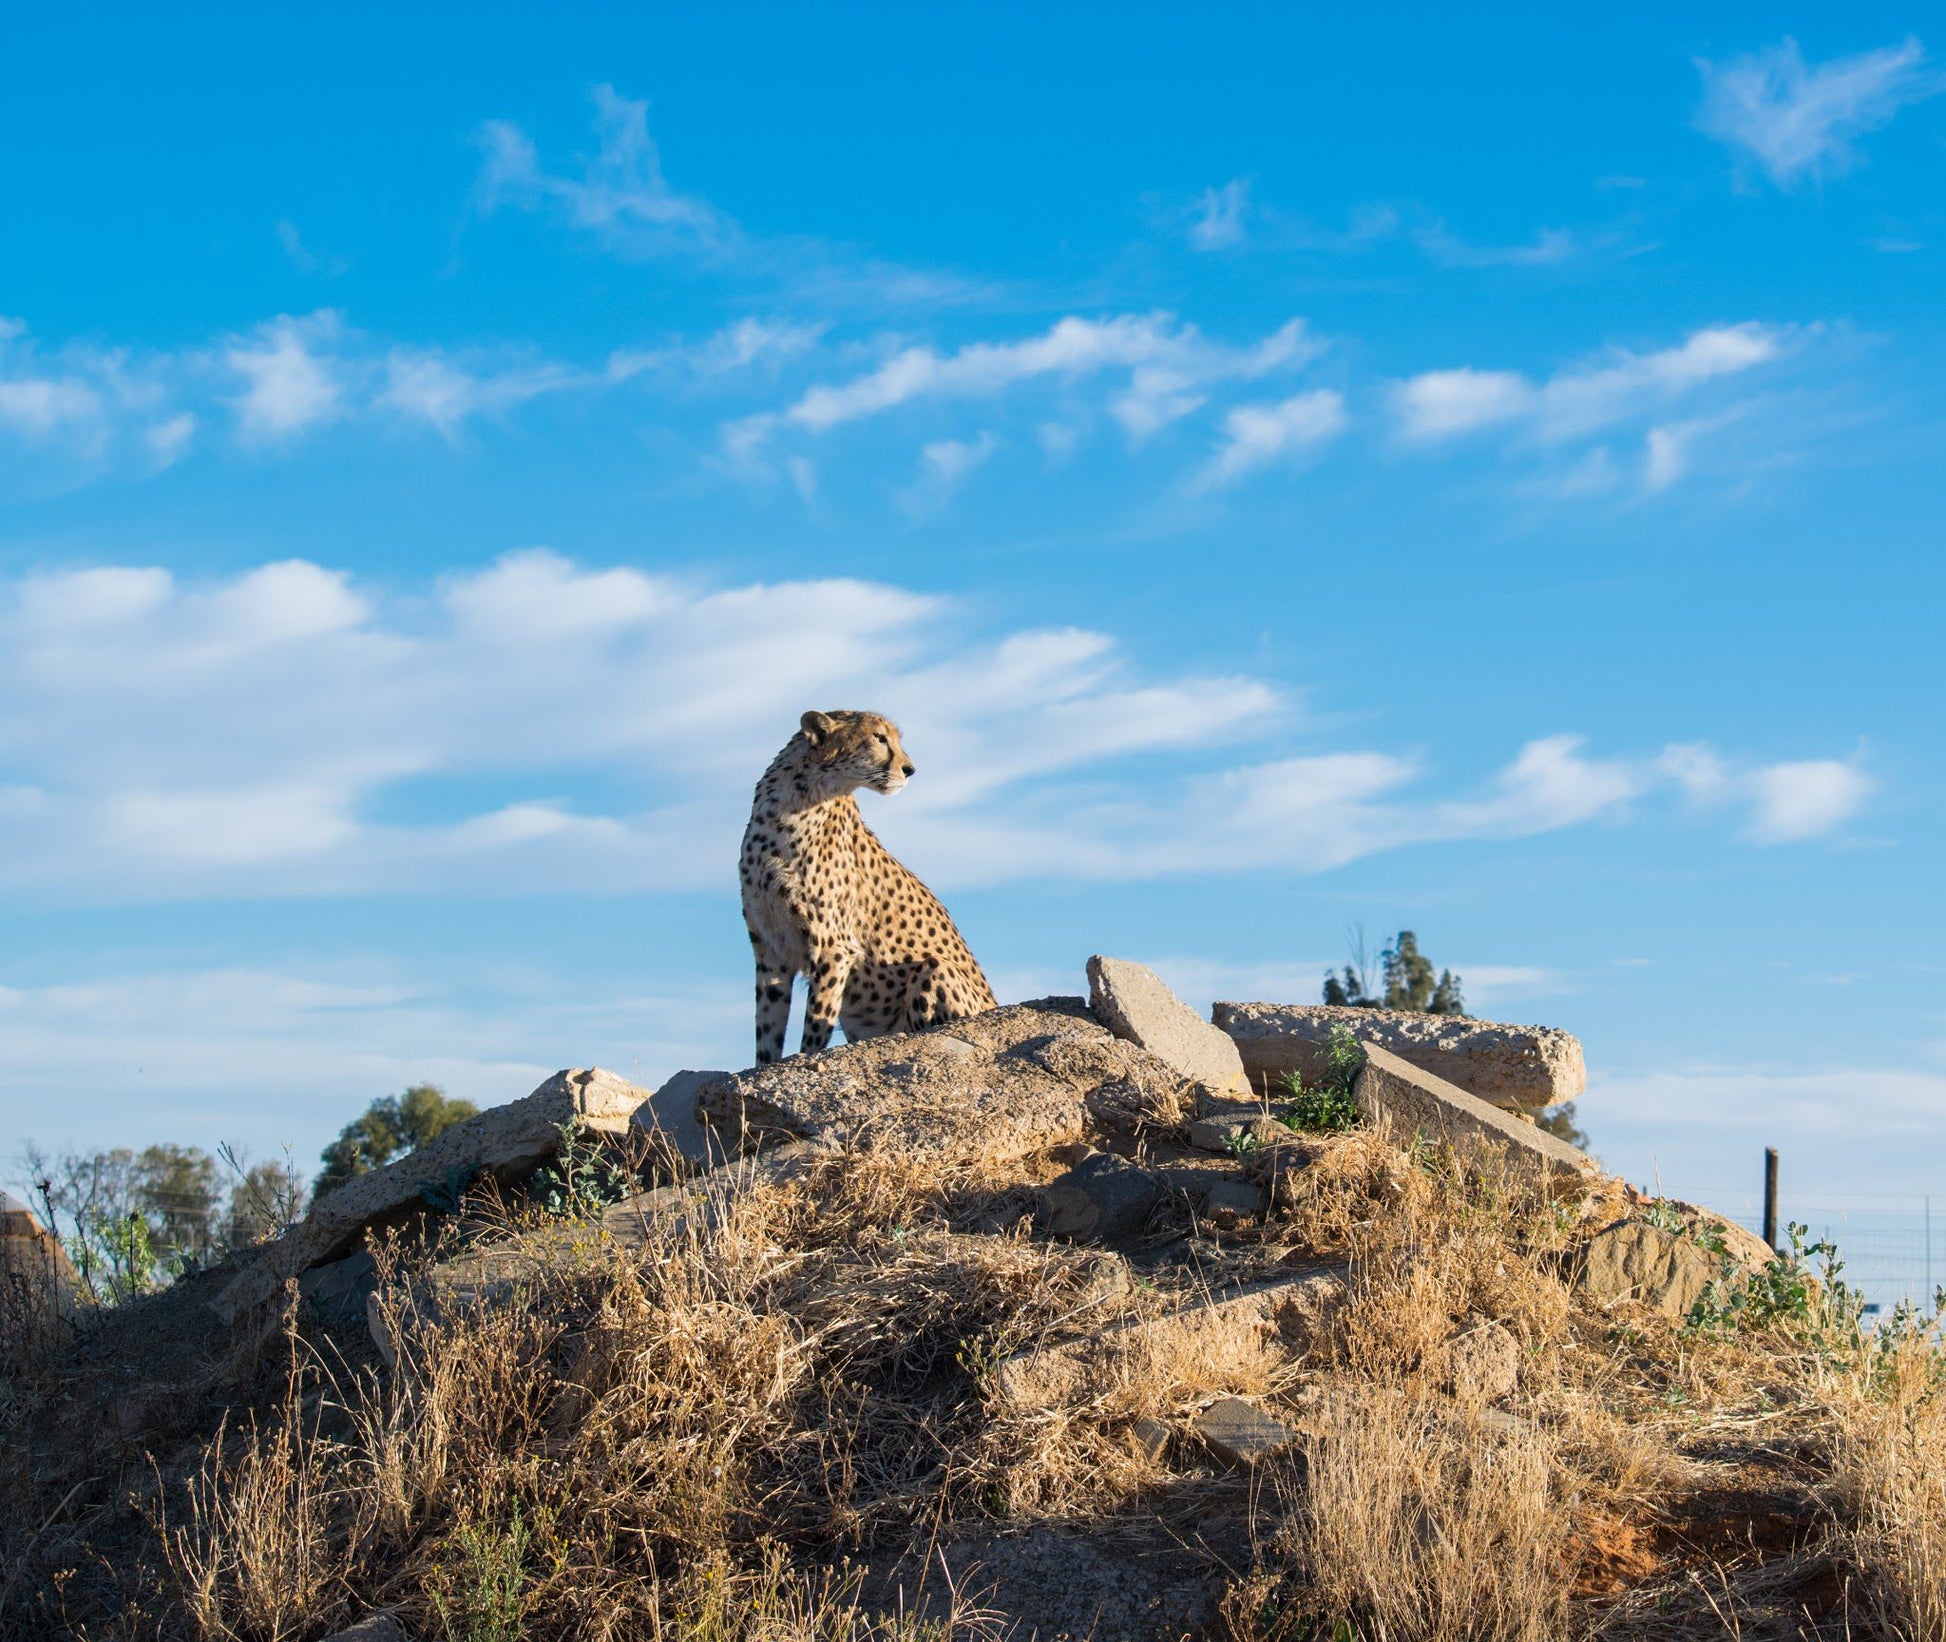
[
  {"x": 773, "y": 1002},
  {"x": 825, "y": 996}
]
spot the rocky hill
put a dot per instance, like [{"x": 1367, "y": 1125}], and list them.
[{"x": 1085, "y": 1317}]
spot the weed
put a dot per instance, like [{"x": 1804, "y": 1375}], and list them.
[
  {"x": 581, "y": 1181},
  {"x": 1242, "y": 1143},
  {"x": 490, "y": 1577}
]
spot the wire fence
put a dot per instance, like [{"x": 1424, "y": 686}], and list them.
[{"x": 1893, "y": 1244}]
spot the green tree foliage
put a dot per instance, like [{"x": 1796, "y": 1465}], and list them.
[
  {"x": 1406, "y": 976},
  {"x": 390, "y": 1127},
  {"x": 130, "y": 1220},
  {"x": 1559, "y": 1122}
]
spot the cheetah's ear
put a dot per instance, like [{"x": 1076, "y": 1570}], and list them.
[{"x": 816, "y": 726}]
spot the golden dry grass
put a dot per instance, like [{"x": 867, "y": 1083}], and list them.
[{"x": 687, "y": 1440}]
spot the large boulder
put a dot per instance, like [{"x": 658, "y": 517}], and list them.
[
  {"x": 506, "y": 1142},
  {"x": 1132, "y": 1002},
  {"x": 1520, "y": 1067},
  {"x": 672, "y": 1119},
  {"x": 1415, "y": 1102},
  {"x": 991, "y": 1088},
  {"x": 1670, "y": 1266}
]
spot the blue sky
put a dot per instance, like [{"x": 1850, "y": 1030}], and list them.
[{"x": 1284, "y": 472}]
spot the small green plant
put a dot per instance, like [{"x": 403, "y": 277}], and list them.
[
  {"x": 1784, "y": 1291},
  {"x": 1331, "y": 1102},
  {"x": 1242, "y": 1143},
  {"x": 581, "y": 1181},
  {"x": 127, "y": 1242},
  {"x": 491, "y": 1576}
]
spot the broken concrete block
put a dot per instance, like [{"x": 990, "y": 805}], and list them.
[
  {"x": 1240, "y": 1433},
  {"x": 672, "y": 1116},
  {"x": 506, "y": 1142},
  {"x": 988, "y": 1089},
  {"x": 1669, "y": 1270},
  {"x": 1132, "y": 1002},
  {"x": 1235, "y": 1132},
  {"x": 1483, "y": 1364},
  {"x": 1150, "y": 1439},
  {"x": 378, "y": 1627},
  {"x": 1417, "y": 1102},
  {"x": 1525, "y": 1067},
  {"x": 336, "y": 1292},
  {"x": 1235, "y": 1197},
  {"x": 1101, "y": 1200},
  {"x": 1207, "y": 1342},
  {"x": 40, "y": 1292}
]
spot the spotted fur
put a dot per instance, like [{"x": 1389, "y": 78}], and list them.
[{"x": 824, "y": 898}]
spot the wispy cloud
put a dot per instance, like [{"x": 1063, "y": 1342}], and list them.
[
  {"x": 621, "y": 189},
  {"x": 293, "y": 379},
  {"x": 247, "y": 737},
  {"x": 621, "y": 197},
  {"x": 433, "y": 387},
  {"x": 1797, "y": 120},
  {"x": 1220, "y": 216},
  {"x": 943, "y": 464},
  {"x": 1783, "y": 803},
  {"x": 1256, "y": 436},
  {"x": 306, "y": 260},
  {"x": 1620, "y": 389}
]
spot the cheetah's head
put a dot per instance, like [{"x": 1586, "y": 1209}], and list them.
[{"x": 854, "y": 750}]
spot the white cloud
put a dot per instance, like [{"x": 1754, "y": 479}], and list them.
[
  {"x": 169, "y": 440},
  {"x": 943, "y": 464},
  {"x": 1617, "y": 388},
  {"x": 1784, "y": 803},
  {"x": 293, "y": 379},
  {"x": 1796, "y": 120},
  {"x": 621, "y": 188},
  {"x": 1443, "y": 404},
  {"x": 252, "y": 736},
  {"x": 1165, "y": 359},
  {"x": 1219, "y": 222},
  {"x": 1257, "y": 435},
  {"x": 430, "y": 385},
  {"x": 303, "y": 258},
  {"x": 1806, "y": 799}
]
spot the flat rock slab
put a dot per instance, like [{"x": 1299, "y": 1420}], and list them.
[
  {"x": 1132, "y": 1002},
  {"x": 1101, "y": 1200},
  {"x": 506, "y": 1142},
  {"x": 673, "y": 1117},
  {"x": 1238, "y": 1432},
  {"x": 1416, "y": 1102},
  {"x": 1209, "y": 1341},
  {"x": 992, "y": 1088},
  {"x": 1524, "y": 1067}
]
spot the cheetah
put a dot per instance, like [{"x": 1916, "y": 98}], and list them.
[{"x": 823, "y": 896}]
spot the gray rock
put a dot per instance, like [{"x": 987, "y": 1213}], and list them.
[
  {"x": 1526, "y": 1067},
  {"x": 1416, "y": 1102},
  {"x": 1235, "y": 1132},
  {"x": 336, "y": 1292},
  {"x": 1150, "y": 1439},
  {"x": 505, "y": 1142},
  {"x": 1483, "y": 1364},
  {"x": 1102, "y": 1200},
  {"x": 378, "y": 1627},
  {"x": 1235, "y": 1197},
  {"x": 1132, "y": 1002},
  {"x": 1196, "y": 1179},
  {"x": 996, "y": 1087},
  {"x": 672, "y": 1117},
  {"x": 1240, "y": 1433},
  {"x": 1207, "y": 1340}
]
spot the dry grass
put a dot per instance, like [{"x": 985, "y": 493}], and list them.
[
  {"x": 1891, "y": 1475},
  {"x": 690, "y": 1439}
]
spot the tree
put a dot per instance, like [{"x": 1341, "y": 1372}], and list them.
[
  {"x": 1559, "y": 1122},
  {"x": 390, "y": 1127},
  {"x": 175, "y": 1189},
  {"x": 1409, "y": 979},
  {"x": 264, "y": 1199}
]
